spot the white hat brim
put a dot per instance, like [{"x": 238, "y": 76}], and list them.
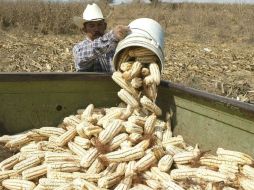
[{"x": 79, "y": 21}]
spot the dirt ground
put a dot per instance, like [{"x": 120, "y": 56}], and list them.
[{"x": 225, "y": 69}]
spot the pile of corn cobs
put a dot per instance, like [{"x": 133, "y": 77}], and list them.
[{"x": 121, "y": 148}]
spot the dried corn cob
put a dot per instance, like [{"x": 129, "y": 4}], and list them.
[
  {"x": 165, "y": 163},
  {"x": 154, "y": 184},
  {"x": 140, "y": 187},
  {"x": 27, "y": 163},
  {"x": 145, "y": 72},
  {"x": 150, "y": 91},
  {"x": 49, "y": 131},
  {"x": 183, "y": 173},
  {"x": 246, "y": 184},
  {"x": 87, "y": 112},
  {"x": 211, "y": 176},
  {"x": 64, "y": 166},
  {"x": 121, "y": 167},
  {"x": 130, "y": 169},
  {"x": 112, "y": 129},
  {"x": 132, "y": 128},
  {"x": 17, "y": 184},
  {"x": 66, "y": 137},
  {"x": 7, "y": 174},
  {"x": 149, "y": 105},
  {"x": 89, "y": 158},
  {"x": 239, "y": 157},
  {"x": 52, "y": 183},
  {"x": 117, "y": 140},
  {"x": 34, "y": 172},
  {"x": 186, "y": 157},
  {"x": 128, "y": 98},
  {"x": 18, "y": 141},
  {"x": 248, "y": 171},
  {"x": 140, "y": 51},
  {"x": 60, "y": 157},
  {"x": 95, "y": 167},
  {"x": 150, "y": 124},
  {"x": 124, "y": 184},
  {"x": 136, "y": 82},
  {"x": 126, "y": 66},
  {"x": 10, "y": 162},
  {"x": 124, "y": 155},
  {"x": 135, "y": 69},
  {"x": 110, "y": 169},
  {"x": 116, "y": 114},
  {"x": 109, "y": 180},
  {"x": 135, "y": 137},
  {"x": 159, "y": 175},
  {"x": 87, "y": 176},
  {"x": 117, "y": 77},
  {"x": 78, "y": 150},
  {"x": 83, "y": 142},
  {"x": 61, "y": 175},
  {"x": 155, "y": 72},
  {"x": 145, "y": 162}
]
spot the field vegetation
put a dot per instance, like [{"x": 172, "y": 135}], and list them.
[{"x": 207, "y": 46}]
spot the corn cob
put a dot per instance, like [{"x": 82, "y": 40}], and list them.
[
  {"x": 186, "y": 157},
  {"x": 116, "y": 114},
  {"x": 126, "y": 144},
  {"x": 124, "y": 155},
  {"x": 87, "y": 112},
  {"x": 51, "y": 157},
  {"x": 165, "y": 163},
  {"x": 128, "y": 98},
  {"x": 145, "y": 162},
  {"x": 248, "y": 171},
  {"x": 30, "y": 147},
  {"x": 17, "y": 184},
  {"x": 87, "y": 176},
  {"x": 49, "y": 131},
  {"x": 130, "y": 169},
  {"x": 150, "y": 124},
  {"x": 72, "y": 120},
  {"x": 110, "y": 180},
  {"x": 145, "y": 72},
  {"x": 112, "y": 129},
  {"x": 83, "y": 142},
  {"x": 80, "y": 129},
  {"x": 137, "y": 120},
  {"x": 149, "y": 105},
  {"x": 121, "y": 167},
  {"x": 147, "y": 59},
  {"x": 66, "y": 137},
  {"x": 147, "y": 175},
  {"x": 127, "y": 112},
  {"x": 127, "y": 76},
  {"x": 40, "y": 187},
  {"x": 52, "y": 183},
  {"x": 19, "y": 141},
  {"x": 95, "y": 167},
  {"x": 89, "y": 158},
  {"x": 92, "y": 130},
  {"x": 239, "y": 157},
  {"x": 140, "y": 187},
  {"x": 123, "y": 84},
  {"x": 7, "y": 174},
  {"x": 225, "y": 168},
  {"x": 159, "y": 175},
  {"x": 177, "y": 141},
  {"x": 27, "y": 163},
  {"x": 124, "y": 56},
  {"x": 135, "y": 69},
  {"x": 150, "y": 91},
  {"x": 211, "y": 176},
  {"x": 136, "y": 82},
  {"x": 183, "y": 173},
  {"x": 78, "y": 150},
  {"x": 246, "y": 184},
  {"x": 117, "y": 140},
  {"x": 126, "y": 66},
  {"x": 148, "y": 80},
  {"x": 228, "y": 188},
  {"x": 34, "y": 172},
  {"x": 132, "y": 128},
  {"x": 61, "y": 175},
  {"x": 124, "y": 184},
  {"x": 155, "y": 72},
  {"x": 154, "y": 184},
  {"x": 9, "y": 162},
  {"x": 135, "y": 137},
  {"x": 26, "y": 155},
  {"x": 214, "y": 161},
  {"x": 64, "y": 166},
  {"x": 110, "y": 169},
  {"x": 6, "y": 138},
  {"x": 139, "y": 51},
  {"x": 167, "y": 135}
]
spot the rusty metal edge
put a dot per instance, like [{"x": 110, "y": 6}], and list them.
[{"x": 249, "y": 108}]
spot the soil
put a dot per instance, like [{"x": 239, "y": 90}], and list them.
[{"x": 225, "y": 69}]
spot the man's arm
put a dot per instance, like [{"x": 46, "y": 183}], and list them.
[{"x": 86, "y": 52}]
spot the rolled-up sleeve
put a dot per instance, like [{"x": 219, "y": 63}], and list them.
[{"x": 86, "y": 52}]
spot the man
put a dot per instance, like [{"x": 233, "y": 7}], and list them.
[{"x": 96, "y": 52}]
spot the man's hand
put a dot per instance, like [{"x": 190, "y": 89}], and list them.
[{"x": 121, "y": 31}]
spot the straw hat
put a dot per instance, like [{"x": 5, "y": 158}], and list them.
[{"x": 92, "y": 12}]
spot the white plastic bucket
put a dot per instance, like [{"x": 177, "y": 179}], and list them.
[{"x": 147, "y": 33}]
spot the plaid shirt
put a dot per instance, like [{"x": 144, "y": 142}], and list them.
[{"x": 97, "y": 55}]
